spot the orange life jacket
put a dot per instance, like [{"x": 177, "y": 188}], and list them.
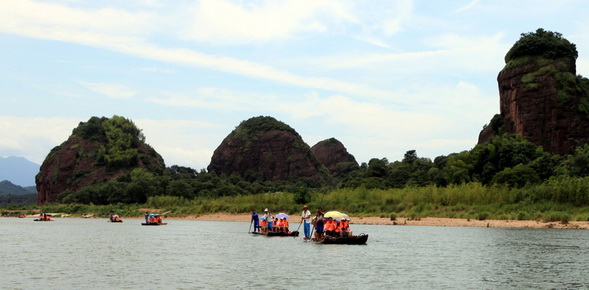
[
  {"x": 330, "y": 225},
  {"x": 346, "y": 225}
]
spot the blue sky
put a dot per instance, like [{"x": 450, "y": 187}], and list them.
[{"x": 383, "y": 77}]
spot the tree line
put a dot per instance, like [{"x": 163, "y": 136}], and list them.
[{"x": 507, "y": 160}]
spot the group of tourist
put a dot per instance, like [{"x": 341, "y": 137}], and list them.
[
  {"x": 326, "y": 226},
  {"x": 44, "y": 217},
  {"x": 268, "y": 223},
  {"x": 153, "y": 218},
  {"x": 323, "y": 226},
  {"x": 115, "y": 218}
]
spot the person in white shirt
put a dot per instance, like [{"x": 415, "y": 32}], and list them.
[
  {"x": 269, "y": 219},
  {"x": 306, "y": 220}
]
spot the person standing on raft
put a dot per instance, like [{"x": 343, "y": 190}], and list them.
[
  {"x": 305, "y": 219},
  {"x": 319, "y": 221},
  {"x": 256, "y": 221},
  {"x": 268, "y": 217}
]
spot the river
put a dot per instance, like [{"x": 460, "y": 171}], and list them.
[{"x": 71, "y": 253}]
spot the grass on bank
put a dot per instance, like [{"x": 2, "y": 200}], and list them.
[{"x": 562, "y": 200}]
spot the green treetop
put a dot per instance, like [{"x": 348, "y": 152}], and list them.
[{"x": 543, "y": 43}]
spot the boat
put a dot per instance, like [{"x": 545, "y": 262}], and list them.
[
  {"x": 347, "y": 238},
  {"x": 153, "y": 220},
  {"x": 280, "y": 228},
  {"x": 277, "y": 234},
  {"x": 44, "y": 217},
  {"x": 350, "y": 240},
  {"x": 115, "y": 218}
]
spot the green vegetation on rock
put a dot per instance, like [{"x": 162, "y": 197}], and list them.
[
  {"x": 548, "y": 44},
  {"x": 262, "y": 124}
]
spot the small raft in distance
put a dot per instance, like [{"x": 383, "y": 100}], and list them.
[
  {"x": 44, "y": 217},
  {"x": 115, "y": 218},
  {"x": 154, "y": 220}
]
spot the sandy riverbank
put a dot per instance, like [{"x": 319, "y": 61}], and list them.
[{"x": 429, "y": 221}]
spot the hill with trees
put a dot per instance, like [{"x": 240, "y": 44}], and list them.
[
  {"x": 99, "y": 150},
  {"x": 334, "y": 155},
  {"x": 265, "y": 149}
]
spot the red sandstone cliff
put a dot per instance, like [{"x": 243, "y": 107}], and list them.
[
  {"x": 267, "y": 149},
  {"x": 77, "y": 162},
  {"x": 543, "y": 100},
  {"x": 332, "y": 153}
]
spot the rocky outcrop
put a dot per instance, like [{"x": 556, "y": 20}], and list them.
[
  {"x": 97, "y": 151},
  {"x": 262, "y": 148},
  {"x": 542, "y": 99},
  {"x": 332, "y": 153}
]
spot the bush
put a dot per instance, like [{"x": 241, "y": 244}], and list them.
[
  {"x": 561, "y": 217},
  {"x": 522, "y": 216},
  {"x": 393, "y": 217},
  {"x": 482, "y": 216}
]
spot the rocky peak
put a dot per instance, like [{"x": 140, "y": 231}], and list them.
[
  {"x": 332, "y": 153},
  {"x": 541, "y": 98},
  {"x": 266, "y": 149},
  {"x": 97, "y": 151}
]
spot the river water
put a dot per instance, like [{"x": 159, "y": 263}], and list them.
[{"x": 95, "y": 254}]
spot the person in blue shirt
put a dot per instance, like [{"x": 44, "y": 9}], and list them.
[{"x": 256, "y": 221}]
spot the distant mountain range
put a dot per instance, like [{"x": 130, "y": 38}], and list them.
[
  {"x": 18, "y": 170},
  {"x": 6, "y": 187}
]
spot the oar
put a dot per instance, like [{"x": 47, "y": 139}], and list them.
[
  {"x": 298, "y": 229},
  {"x": 250, "y": 228}
]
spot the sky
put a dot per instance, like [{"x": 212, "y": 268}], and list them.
[{"x": 382, "y": 77}]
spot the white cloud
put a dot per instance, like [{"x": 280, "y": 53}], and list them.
[
  {"x": 77, "y": 32},
  {"x": 213, "y": 98},
  {"x": 26, "y": 17},
  {"x": 447, "y": 52},
  {"x": 33, "y": 138},
  {"x": 154, "y": 69},
  {"x": 468, "y": 6},
  {"x": 115, "y": 91},
  {"x": 231, "y": 22},
  {"x": 185, "y": 143}
]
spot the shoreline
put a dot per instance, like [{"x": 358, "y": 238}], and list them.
[
  {"x": 375, "y": 220},
  {"x": 428, "y": 221}
]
